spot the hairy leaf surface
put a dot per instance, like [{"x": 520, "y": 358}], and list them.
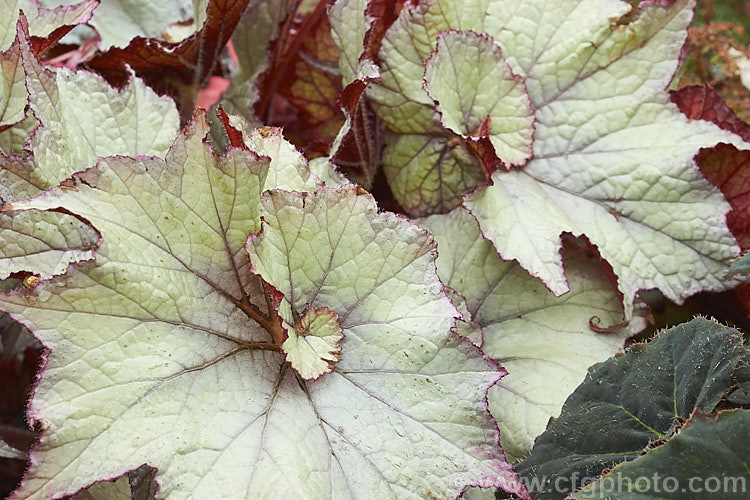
[
  {"x": 635, "y": 399},
  {"x": 671, "y": 470}
]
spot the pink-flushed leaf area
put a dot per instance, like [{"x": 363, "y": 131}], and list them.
[{"x": 317, "y": 360}]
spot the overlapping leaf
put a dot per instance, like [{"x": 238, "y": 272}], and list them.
[
  {"x": 357, "y": 28},
  {"x": 41, "y": 22},
  {"x": 13, "y": 96},
  {"x": 328, "y": 251},
  {"x": 82, "y": 118},
  {"x": 14, "y": 139},
  {"x": 478, "y": 95},
  {"x": 349, "y": 26},
  {"x": 164, "y": 349},
  {"x": 428, "y": 168},
  {"x": 612, "y": 157},
  {"x": 546, "y": 343},
  {"x": 287, "y": 167}
]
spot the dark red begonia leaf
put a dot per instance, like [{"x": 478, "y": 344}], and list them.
[{"x": 178, "y": 69}]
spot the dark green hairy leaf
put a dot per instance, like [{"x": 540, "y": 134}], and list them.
[{"x": 635, "y": 399}]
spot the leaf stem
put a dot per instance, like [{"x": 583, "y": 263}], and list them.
[
  {"x": 265, "y": 346},
  {"x": 271, "y": 322},
  {"x": 277, "y": 333}
]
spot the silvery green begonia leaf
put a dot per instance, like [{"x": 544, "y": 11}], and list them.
[
  {"x": 43, "y": 243},
  {"x": 429, "y": 173},
  {"x": 349, "y": 25},
  {"x": 13, "y": 96},
  {"x": 477, "y": 94},
  {"x": 612, "y": 157},
  {"x": 287, "y": 168},
  {"x": 427, "y": 167},
  {"x": 13, "y": 139},
  {"x": 42, "y": 21},
  {"x": 83, "y": 118},
  {"x": 330, "y": 250},
  {"x": 545, "y": 342},
  {"x": 119, "y": 21},
  {"x": 400, "y": 98},
  {"x": 312, "y": 345},
  {"x": 18, "y": 179},
  {"x": 163, "y": 349},
  {"x": 465, "y": 325},
  {"x": 326, "y": 171}
]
